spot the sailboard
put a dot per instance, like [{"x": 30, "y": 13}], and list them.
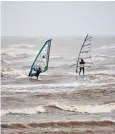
[
  {"x": 85, "y": 53},
  {"x": 42, "y": 58}
]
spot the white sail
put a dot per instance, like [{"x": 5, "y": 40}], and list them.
[{"x": 85, "y": 53}]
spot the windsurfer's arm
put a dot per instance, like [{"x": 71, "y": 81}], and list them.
[{"x": 33, "y": 68}]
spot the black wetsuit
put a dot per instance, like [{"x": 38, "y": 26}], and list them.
[
  {"x": 37, "y": 72},
  {"x": 81, "y": 66}
]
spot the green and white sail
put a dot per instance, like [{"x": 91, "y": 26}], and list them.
[
  {"x": 42, "y": 58},
  {"x": 85, "y": 53}
]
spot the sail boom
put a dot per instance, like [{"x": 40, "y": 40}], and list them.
[{"x": 85, "y": 58}]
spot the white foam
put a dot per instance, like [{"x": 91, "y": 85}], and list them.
[
  {"x": 28, "y": 110},
  {"x": 14, "y": 72}
]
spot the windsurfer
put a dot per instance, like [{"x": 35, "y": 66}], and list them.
[{"x": 81, "y": 66}]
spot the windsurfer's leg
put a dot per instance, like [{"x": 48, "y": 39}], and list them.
[
  {"x": 83, "y": 70},
  {"x": 37, "y": 76},
  {"x": 79, "y": 70}
]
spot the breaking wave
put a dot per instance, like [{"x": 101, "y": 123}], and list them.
[
  {"x": 107, "y": 108},
  {"x": 13, "y": 72},
  {"x": 28, "y": 110}
]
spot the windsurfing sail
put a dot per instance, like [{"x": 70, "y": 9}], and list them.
[
  {"x": 42, "y": 58},
  {"x": 85, "y": 53}
]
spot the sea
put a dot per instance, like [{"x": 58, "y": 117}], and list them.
[{"x": 60, "y": 101}]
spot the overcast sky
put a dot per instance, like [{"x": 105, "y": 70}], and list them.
[{"x": 57, "y": 18}]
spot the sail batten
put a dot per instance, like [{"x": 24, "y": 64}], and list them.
[
  {"x": 87, "y": 45},
  {"x": 85, "y": 53}
]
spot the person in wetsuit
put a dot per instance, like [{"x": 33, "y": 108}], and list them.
[
  {"x": 81, "y": 63},
  {"x": 38, "y": 71}
]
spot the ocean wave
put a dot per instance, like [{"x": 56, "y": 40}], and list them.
[
  {"x": 101, "y": 57},
  {"x": 58, "y": 123},
  {"x": 106, "y": 47},
  {"x": 103, "y": 77},
  {"x": 98, "y": 58},
  {"x": 102, "y": 73},
  {"x": 78, "y": 93},
  {"x": 21, "y": 45},
  {"x": 13, "y": 72},
  {"x": 5, "y": 61},
  {"x": 50, "y": 87},
  {"x": 28, "y": 110},
  {"x": 85, "y": 108},
  {"x": 8, "y": 53},
  {"x": 16, "y": 52}
]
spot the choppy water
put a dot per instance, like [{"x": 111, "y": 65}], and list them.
[{"x": 60, "y": 101}]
